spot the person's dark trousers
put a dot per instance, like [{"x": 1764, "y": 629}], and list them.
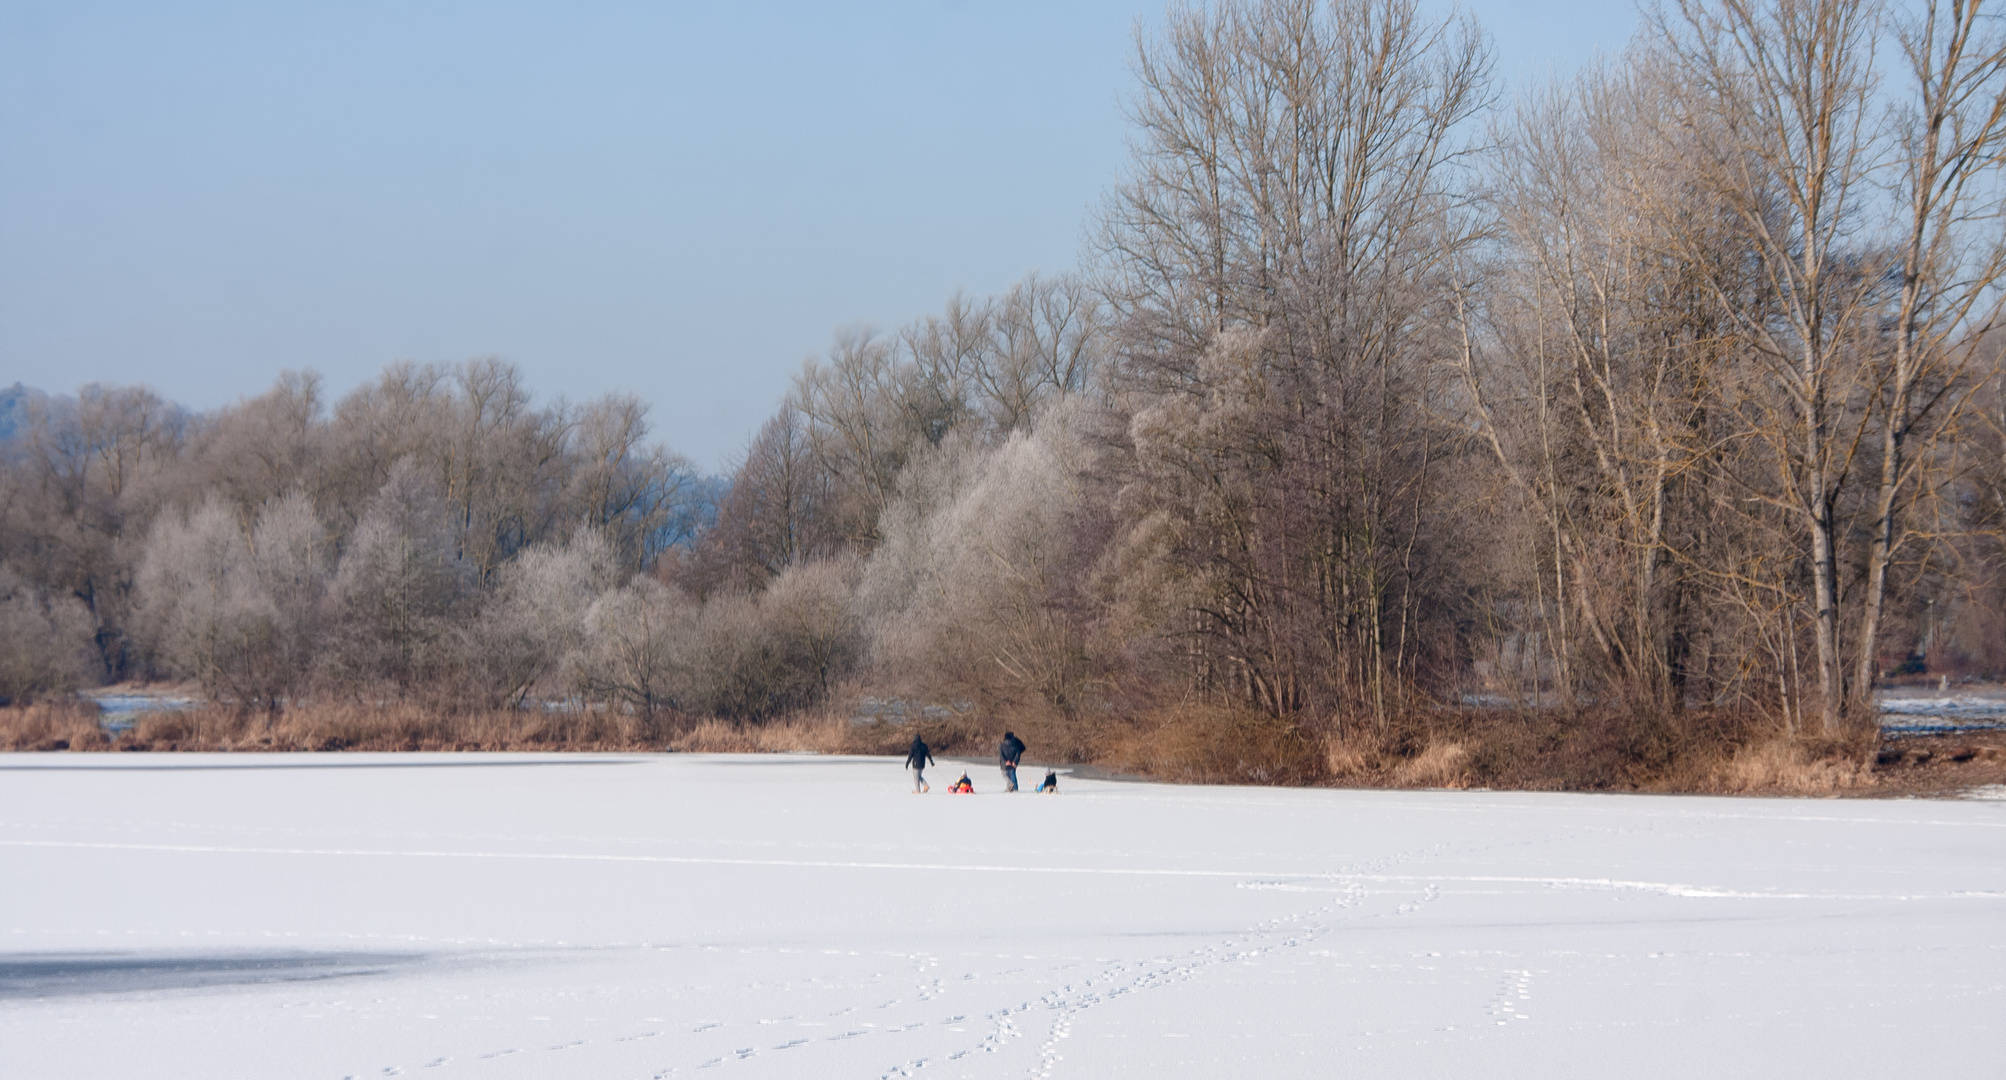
[{"x": 1010, "y": 777}]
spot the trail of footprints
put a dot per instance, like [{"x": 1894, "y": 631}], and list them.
[
  {"x": 1514, "y": 994},
  {"x": 1114, "y": 979},
  {"x": 1119, "y": 978}
]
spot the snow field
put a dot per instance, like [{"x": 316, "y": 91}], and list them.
[{"x": 722, "y": 916}]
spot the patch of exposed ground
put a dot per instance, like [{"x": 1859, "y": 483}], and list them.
[{"x": 1938, "y": 765}]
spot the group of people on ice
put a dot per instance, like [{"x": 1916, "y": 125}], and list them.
[{"x": 1009, "y": 755}]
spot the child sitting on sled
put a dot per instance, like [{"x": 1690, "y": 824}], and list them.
[
  {"x": 963, "y": 786},
  {"x": 1050, "y": 785}
]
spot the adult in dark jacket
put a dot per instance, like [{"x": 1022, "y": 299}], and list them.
[
  {"x": 1010, "y": 753},
  {"x": 917, "y": 759}
]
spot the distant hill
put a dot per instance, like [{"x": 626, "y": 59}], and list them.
[{"x": 14, "y": 408}]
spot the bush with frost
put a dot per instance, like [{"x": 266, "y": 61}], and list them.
[
  {"x": 741, "y": 656},
  {"x": 761, "y": 655}
]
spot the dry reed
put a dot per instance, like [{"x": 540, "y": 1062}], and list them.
[
  {"x": 1785, "y": 767},
  {"x": 1439, "y": 765},
  {"x": 798, "y": 735},
  {"x": 1208, "y": 744},
  {"x": 52, "y": 725}
]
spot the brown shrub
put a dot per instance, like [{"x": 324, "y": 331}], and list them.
[
  {"x": 1783, "y": 766},
  {"x": 1347, "y": 760},
  {"x": 1439, "y": 765}
]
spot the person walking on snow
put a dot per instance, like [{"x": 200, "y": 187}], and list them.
[
  {"x": 917, "y": 759},
  {"x": 1011, "y": 752}
]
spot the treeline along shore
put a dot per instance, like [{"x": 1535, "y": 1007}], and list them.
[{"x": 1627, "y": 431}]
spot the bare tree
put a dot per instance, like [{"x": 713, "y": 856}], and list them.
[
  {"x": 1949, "y": 137},
  {"x": 1272, "y": 261},
  {"x": 1781, "y": 91},
  {"x": 622, "y": 485}
]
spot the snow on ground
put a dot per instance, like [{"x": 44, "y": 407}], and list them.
[{"x": 471, "y": 915}]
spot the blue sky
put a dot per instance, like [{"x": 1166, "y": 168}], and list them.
[{"x": 680, "y": 200}]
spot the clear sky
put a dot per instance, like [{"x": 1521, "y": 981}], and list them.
[{"x": 682, "y": 200}]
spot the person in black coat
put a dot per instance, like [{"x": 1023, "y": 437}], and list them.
[
  {"x": 917, "y": 758},
  {"x": 1010, "y": 753}
]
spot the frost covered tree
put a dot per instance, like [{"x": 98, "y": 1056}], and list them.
[
  {"x": 531, "y": 632},
  {"x": 401, "y": 588},
  {"x": 241, "y": 615},
  {"x": 638, "y": 646},
  {"x": 200, "y": 604},
  {"x": 967, "y": 588},
  {"x": 46, "y": 642},
  {"x": 291, "y": 562},
  {"x": 811, "y": 612}
]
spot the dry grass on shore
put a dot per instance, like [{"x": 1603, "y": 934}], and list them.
[
  {"x": 76, "y": 726},
  {"x": 1184, "y": 743},
  {"x": 795, "y": 735},
  {"x": 332, "y": 726},
  {"x": 1701, "y": 753},
  {"x": 1196, "y": 743},
  {"x": 52, "y": 725},
  {"x": 1206, "y": 744}
]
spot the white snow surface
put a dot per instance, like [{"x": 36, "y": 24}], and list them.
[{"x": 470, "y": 915}]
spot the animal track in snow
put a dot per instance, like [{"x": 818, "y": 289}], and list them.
[
  {"x": 1514, "y": 990},
  {"x": 906, "y": 1069}
]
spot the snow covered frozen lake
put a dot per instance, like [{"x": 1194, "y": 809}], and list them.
[{"x": 624, "y": 917}]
